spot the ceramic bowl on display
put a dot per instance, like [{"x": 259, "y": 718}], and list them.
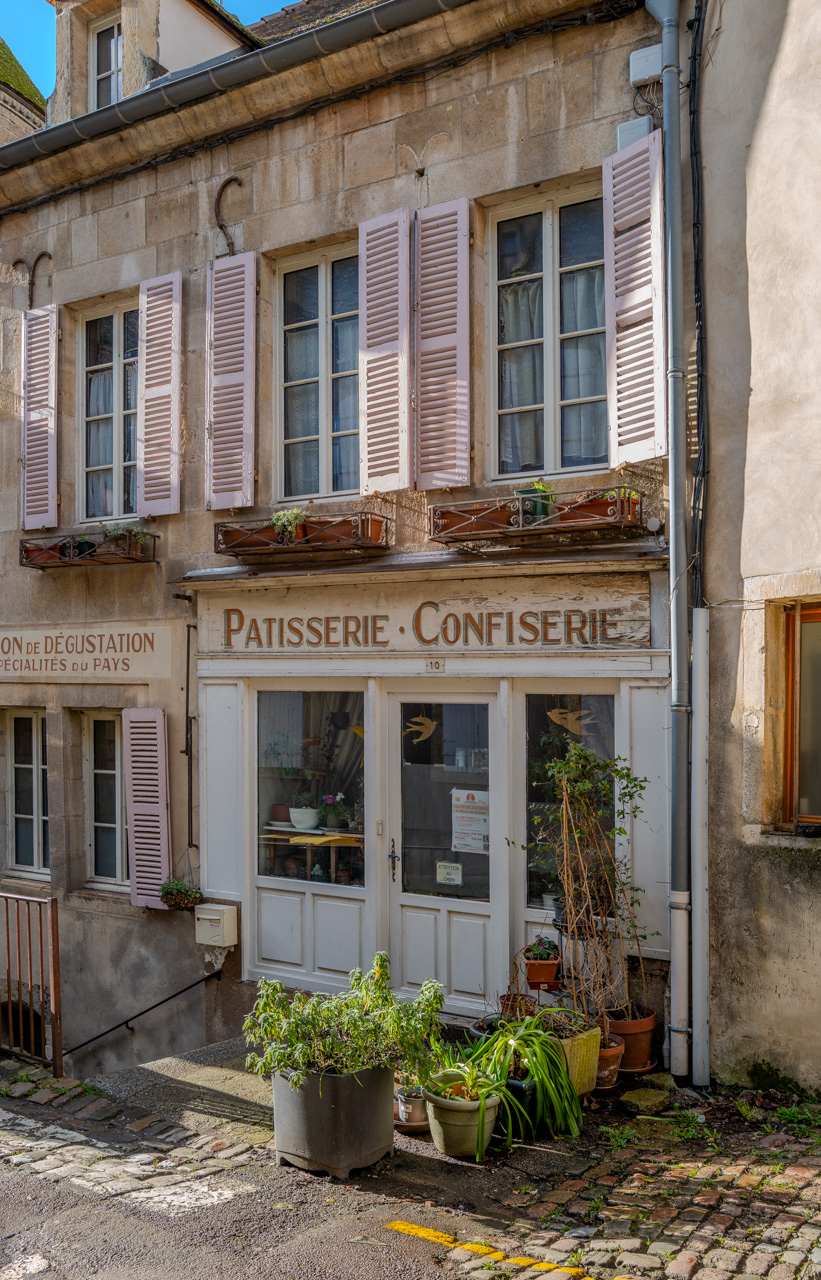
[{"x": 305, "y": 819}]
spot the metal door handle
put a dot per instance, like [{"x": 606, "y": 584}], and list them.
[{"x": 393, "y": 858}]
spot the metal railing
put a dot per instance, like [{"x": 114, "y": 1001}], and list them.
[
  {"x": 536, "y": 512},
  {"x": 30, "y": 1007},
  {"x": 354, "y": 530},
  {"x": 64, "y": 551}
]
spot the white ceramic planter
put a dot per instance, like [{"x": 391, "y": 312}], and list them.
[{"x": 304, "y": 819}]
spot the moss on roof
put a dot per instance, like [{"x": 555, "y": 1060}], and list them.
[
  {"x": 231, "y": 20},
  {"x": 303, "y": 15},
  {"x": 13, "y": 75}
]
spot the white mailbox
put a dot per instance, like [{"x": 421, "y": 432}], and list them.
[{"x": 216, "y": 924}]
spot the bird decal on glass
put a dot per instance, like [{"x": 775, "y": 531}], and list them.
[
  {"x": 574, "y": 722},
  {"x": 423, "y": 725}
]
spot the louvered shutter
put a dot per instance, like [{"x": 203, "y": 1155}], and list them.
[
  {"x": 442, "y": 431},
  {"x": 384, "y": 355},
  {"x": 158, "y": 397},
  {"x": 635, "y": 301},
  {"x": 145, "y": 765},
  {"x": 38, "y": 499},
  {"x": 231, "y": 368}
]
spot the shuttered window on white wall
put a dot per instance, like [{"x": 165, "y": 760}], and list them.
[
  {"x": 230, "y": 381},
  {"x": 39, "y": 419},
  {"x": 635, "y": 301}
]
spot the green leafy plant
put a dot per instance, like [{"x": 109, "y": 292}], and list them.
[
  {"x": 686, "y": 1126},
  {"x": 462, "y": 1073},
  {"x": 523, "y": 1051},
  {"x": 617, "y": 1137},
  {"x": 801, "y": 1122},
  {"x": 180, "y": 895},
  {"x": 365, "y": 1026},
  {"x": 116, "y": 531},
  {"x": 304, "y": 800},
  {"x": 541, "y": 948},
  {"x": 286, "y": 522},
  {"x": 335, "y": 806}
]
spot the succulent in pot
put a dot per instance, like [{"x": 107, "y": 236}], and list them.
[
  {"x": 289, "y": 524},
  {"x": 304, "y": 813},
  {"x": 332, "y": 1060}
]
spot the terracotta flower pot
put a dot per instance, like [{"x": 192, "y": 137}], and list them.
[
  {"x": 352, "y": 531},
  {"x": 540, "y": 971},
  {"x": 610, "y": 1057},
  {"x": 476, "y": 519},
  {"x": 280, "y": 813},
  {"x": 637, "y": 1034}
]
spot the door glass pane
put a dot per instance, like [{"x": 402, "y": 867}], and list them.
[
  {"x": 445, "y": 848},
  {"x": 809, "y": 774},
  {"x": 301, "y": 410},
  {"x": 553, "y": 722},
  {"x": 310, "y": 766}
]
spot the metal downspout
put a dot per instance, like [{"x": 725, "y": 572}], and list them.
[{"x": 667, "y": 14}]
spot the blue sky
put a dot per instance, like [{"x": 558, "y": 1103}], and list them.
[{"x": 27, "y": 26}]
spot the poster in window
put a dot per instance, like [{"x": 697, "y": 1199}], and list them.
[{"x": 470, "y": 810}]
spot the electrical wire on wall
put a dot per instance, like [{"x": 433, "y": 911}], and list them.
[{"x": 702, "y": 422}]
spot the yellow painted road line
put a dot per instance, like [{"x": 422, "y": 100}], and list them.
[
  {"x": 483, "y": 1250},
  {"x": 424, "y": 1233}
]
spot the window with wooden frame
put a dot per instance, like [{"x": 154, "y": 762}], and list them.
[
  {"x": 105, "y": 62},
  {"x": 319, "y": 353},
  {"x": 548, "y": 385},
  {"x": 106, "y": 832},
  {"x": 28, "y": 793},
  {"x": 802, "y": 745},
  {"x": 108, "y": 390}
]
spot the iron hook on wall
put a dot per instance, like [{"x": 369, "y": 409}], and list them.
[
  {"x": 229, "y": 239},
  {"x": 31, "y": 268}
]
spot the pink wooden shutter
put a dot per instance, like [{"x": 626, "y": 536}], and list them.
[
  {"x": 158, "y": 397},
  {"x": 231, "y": 370},
  {"x": 384, "y": 353},
  {"x": 442, "y": 346},
  {"x": 635, "y": 302},
  {"x": 145, "y": 764},
  {"x": 38, "y": 499}
]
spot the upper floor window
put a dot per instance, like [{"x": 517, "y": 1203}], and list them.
[
  {"x": 109, "y": 391},
  {"x": 802, "y": 782},
  {"x": 549, "y": 384},
  {"x": 320, "y": 376},
  {"x": 29, "y": 793},
  {"x": 106, "y": 63},
  {"x": 105, "y": 807}
]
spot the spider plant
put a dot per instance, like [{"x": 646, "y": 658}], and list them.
[
  {"x": 462, "y": 1074},
  {"x": 524, "y": 1050}
]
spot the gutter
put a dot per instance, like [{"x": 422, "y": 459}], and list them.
[
  {"x": 388, "y": 16},
  {"x": 668, "y": 14}
]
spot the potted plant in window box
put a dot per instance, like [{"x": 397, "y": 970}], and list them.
[
  {"x": 332, "y": 1061},
  {"x": 34, "y": 553},
  {"x": 180, "y": 895},
  {"x": 304, "y": 813},
  {"x": 285, "y": 528},
  {"x": 601, "y": 506},
  {"x": 539, "y": 502},
  {"x": 121, "y": 542}
]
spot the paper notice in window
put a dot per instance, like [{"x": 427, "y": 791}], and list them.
[{"x": 471, "y": 832}]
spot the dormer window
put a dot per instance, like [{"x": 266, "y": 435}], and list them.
[{"x": 105, "y": 63}]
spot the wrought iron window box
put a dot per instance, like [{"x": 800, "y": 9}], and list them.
[
  {"x": 351, "y": 531},
  {"x": 66, "y": 551},
  {"x": 536, "y": 512}
]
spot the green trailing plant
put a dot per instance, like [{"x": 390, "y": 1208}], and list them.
[
  {"x": 617, "y": 1137},
  {"x": 180, "y": 895},
  {"x": 366, "y": 1026},
  {"x": 523, "y": 1051},
  {"x": 461, "y": 1073},
  {"x": 286, "y": 522}
]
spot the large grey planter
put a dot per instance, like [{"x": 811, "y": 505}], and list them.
[{"x": 334, "y": 1123}]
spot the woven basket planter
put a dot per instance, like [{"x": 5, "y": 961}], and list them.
[{"x": 582, "y": 1053}]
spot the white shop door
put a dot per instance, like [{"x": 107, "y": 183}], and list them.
[{"x": 447, "y": 854}]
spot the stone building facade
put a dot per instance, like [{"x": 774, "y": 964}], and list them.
[
  {"x": 429, "y": 207},
  {"x": 22, "y": 106}
]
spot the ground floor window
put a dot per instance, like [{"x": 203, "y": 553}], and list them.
[
  {"x": 554, "y": 720},
  {"x": 311, "y": 786},
  {"x": 29, "y": 792},
  {"x": 105, "y": 808},
  {"x": 802, "y": 754}
]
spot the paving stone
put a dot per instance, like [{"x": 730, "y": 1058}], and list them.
[
  {"x": 643, "y": 1102},
  {"x": 617, "y": 1227},
  {"x": 708, "y": 1198},
  {"x": 664, "y": 1213},
  {"x": 238, "y": 1150},
  {"x": 137, "y": 1126},
  {"x": 630, "y": 1244},
  {"x": 720, "y": 1221},
  {"x": 660, "y": 1080},
  {"x": 693, "y": 1215},
  {"x": 758, "y": 1263},
  {"x": 92, "y": 1107},
  {"x": 643, "y": 1262},
  {"x": 794, "y": 1256},
  {"x": 63, "y": 1099},
  {"x": 712, "y": 1273},
  {"x": 683, "y": 1267},
  {"x": 122, "y": 1186},
  {"x": 596, "y": 1259},
  {"x": 724, "y": 1260},
  {"x": 782, "y": 1271},
  {"x": 20, "y": 1089}
]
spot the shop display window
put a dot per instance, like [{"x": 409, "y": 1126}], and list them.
[
  {"x": 553, "y": 722},
  {"x": 445, "y": 800},
  {"x": 311, "y": 779}
]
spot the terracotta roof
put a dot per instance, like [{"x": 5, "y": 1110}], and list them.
[
  {"x": 305, "y": 14},
  {"x": 14, "y": 77}
]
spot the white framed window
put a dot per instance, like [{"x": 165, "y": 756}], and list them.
[
  {"x": 107, "y": 453},
  {"x": 548, "y": 392},
  {"x": 28, "y": 792},
  {"x": 105, "y": 62},
  {"x": 318, "y": 344},
  {"x": 107, "y": 837}
]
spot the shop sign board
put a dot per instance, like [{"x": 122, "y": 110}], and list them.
[
  {"x": 99, "y": 652},
  {"x": 526, "y": 615}
]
